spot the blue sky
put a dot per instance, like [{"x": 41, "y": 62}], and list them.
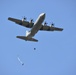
[{"x": 55, "y": 52}]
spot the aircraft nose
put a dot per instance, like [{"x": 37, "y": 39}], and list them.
[{"x": 42, "y": 14}]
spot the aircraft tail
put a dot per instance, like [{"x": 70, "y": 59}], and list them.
[{"x": 27, "y": 39}]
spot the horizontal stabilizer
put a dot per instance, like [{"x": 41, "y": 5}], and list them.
[{"x": 27, "y": 39}]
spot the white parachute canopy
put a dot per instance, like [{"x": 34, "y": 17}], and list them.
[{"x": 20, "y": 61}]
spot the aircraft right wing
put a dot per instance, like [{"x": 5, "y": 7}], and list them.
[
  {"x": 22, "y": 23},
  {"x": 50, "y": 28}
]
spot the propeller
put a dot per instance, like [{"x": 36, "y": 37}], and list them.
[
  {"x": 23, "y": 18},
  {"x": 31, "y": 20},
  {"x": 45, "y": 23},
  {"x": 52, "y": 24}
]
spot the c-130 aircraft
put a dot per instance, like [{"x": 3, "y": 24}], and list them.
[{"x": 35, "y": 27}]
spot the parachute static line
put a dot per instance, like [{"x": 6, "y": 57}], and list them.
[{"x": 20, "y": 61}]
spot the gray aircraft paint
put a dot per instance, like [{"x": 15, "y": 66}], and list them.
[{"x": 37, "y": 25}]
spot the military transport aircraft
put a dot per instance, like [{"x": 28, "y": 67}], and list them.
[{"x": 35, "y": 27}]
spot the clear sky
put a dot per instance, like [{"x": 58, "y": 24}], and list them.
[{"x": 55, "y": 52}]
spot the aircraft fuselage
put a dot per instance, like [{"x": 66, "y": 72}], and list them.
[{"x": 37, "y": 25}]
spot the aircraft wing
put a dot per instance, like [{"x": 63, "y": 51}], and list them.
[
  {"x": 27, "y": 39},
  {"x": 50, "y": 28},
  {"x": 22, "y": 23}
]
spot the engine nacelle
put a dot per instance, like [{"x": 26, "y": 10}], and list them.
[
  {"x": 23, "y": 19},
  {"x": 31, "y": 21},
  {"x": 45, "y": 23}
]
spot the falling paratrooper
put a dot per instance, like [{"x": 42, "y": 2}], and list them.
[{"x": 20, "y": 61}]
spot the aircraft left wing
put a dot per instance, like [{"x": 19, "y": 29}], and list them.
[
  {"x": 50, "y": 28},
  {"x": 22, "y": 23}
]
